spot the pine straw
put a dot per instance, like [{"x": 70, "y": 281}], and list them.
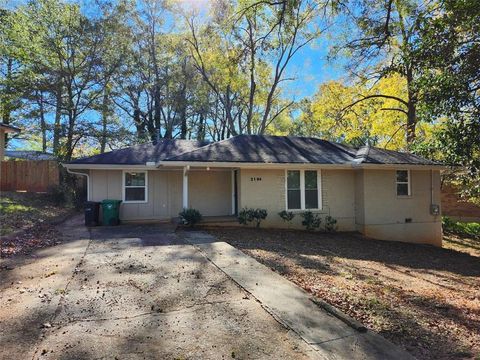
[{"x": 425, "y": 299}]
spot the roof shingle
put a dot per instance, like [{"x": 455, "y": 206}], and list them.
[
  {"x": 255, "y": 149},
  {"x": 141, "y": 154}
]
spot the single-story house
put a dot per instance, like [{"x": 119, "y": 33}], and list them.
[{"x": 383, "y": 194}]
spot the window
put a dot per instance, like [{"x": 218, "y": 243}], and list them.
[
  {"x": 135, "y": 186},
  {"x": 311, "y": 190},
  {"x": 293, "y": 189},
  {"x": 403, "y": 183},
  {"x": 303, "y": 190}
]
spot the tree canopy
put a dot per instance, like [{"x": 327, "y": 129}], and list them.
[{"x": 82, "y": 78}]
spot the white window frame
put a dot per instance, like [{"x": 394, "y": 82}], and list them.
[
  {"x": 124, "y": 187},
  {"x": 409, "y": 183},
  {"x": 302, "y": 189}
]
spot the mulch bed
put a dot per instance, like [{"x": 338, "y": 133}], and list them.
[{"x": 425, "y": 299}]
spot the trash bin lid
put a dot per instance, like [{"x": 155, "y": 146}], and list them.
[{"x": 110, "y": 201}]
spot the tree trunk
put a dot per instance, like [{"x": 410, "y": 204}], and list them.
[
  {"x": 43, "y": 124},
  {"x": 411, "y": 110},
  {"x": 105, "y": 113},
  {"x": 183, "y": 112},
  {"x": 57, "y": 127},
  {"x": 7, "y": 106},
  {"x": 411, "y": 123},
  {"x": 201, "y": 128}
]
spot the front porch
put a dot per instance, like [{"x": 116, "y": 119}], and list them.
[{"x": 212, "y": 191}]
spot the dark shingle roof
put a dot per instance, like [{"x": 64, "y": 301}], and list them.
[
  {"x": 293, "y": 150},
  {"x": 255, "y": 149},
  {"x": 270, "y": 149},
  {"x": 141, "y": 154},
  {"x": 381, "y": 156}
]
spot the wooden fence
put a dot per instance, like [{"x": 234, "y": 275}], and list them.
[
  {"x": 456, "y": 208},
  {"x": 29, "y": 175}
]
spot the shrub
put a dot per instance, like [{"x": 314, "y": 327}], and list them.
[
  {"x": 461, "y": 228},
  {"x": 190, "y": 216},
  {"x": 287, "y": 216},
  {"x": 311, "y": 221},
  {"x": 247, "y": 216},
  {"x": 330, "y": 224}
]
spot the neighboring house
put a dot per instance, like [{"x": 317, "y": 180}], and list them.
[
  {"x": 383, "y": 194},
  {"x": 5, "y": 129},
  {"x": 29, "y": 155}
]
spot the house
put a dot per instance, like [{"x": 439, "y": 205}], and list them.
[
  {"x": 29, "y": 155},
  {"x": 5, "y": 129},
  {"x": 381, "y": 193}
]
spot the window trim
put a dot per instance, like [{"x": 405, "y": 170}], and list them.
[
  {"x": 302, "y": 189},
  {"x": 409, "y": 183},
  {"x": 124, "y": 187}
]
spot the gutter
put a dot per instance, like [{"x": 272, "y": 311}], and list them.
[{"x": 346, "y": 166}]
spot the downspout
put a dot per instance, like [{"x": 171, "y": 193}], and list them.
[
  {"x": 431, "y": 187},
  {"x": 81, "y": 174}
]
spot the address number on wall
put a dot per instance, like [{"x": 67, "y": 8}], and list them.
[{"x": 255, "y": 179}]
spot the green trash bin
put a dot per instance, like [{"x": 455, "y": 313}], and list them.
[{"x": 111, "y": 212}]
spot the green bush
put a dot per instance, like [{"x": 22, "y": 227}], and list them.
[
  {"x": 469, "y": 229},
  {"x": 256, "y": 216},
  {"x": 311, "y": 221},
  {"x": 287, "y": 216},
  {"x": 330, "y": 224},
  {"x": 190, "y": 216}
]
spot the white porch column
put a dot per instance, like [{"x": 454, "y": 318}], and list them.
[{"x": 185, "y": 186}]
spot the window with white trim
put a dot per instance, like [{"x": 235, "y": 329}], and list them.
[
  {"x": 135, "y": 186},
  {"x": 403, "y": 182},
  {"x": 303, "y": 190}
]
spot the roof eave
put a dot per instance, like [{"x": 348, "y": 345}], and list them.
[
  {"x": 349, "y": 165},
  {"x": 108, "y": 166},
  {"x": 9, "y": 128}
]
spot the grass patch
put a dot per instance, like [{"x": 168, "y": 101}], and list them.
[{"x": 11, "y": 208}]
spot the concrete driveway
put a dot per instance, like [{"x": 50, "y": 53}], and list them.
[{"x": 132, "y": 292}]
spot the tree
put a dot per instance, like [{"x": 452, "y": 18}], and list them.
[
  {"x": 242, "y": 54},
  {"x": 383, "y": 45},
  {"x": 374, "y": 121},
  {"x": 449, "y": 47}
]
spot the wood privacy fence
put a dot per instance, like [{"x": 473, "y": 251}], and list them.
[
  {"x": 29, "y": 175},
  {"x": 456, "y": 208}
]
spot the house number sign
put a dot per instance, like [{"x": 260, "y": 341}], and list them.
[{"x": 255, "y": 179}]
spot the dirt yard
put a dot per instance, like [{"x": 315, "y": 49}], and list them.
[
  {"x": 27, "y": 222},
  {"x": 423, "y": 298}
]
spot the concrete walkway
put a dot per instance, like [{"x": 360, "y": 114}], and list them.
[{"x": 291, "y": 306}]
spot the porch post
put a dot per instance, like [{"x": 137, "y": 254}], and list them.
[{"x": 185, "y": 186}]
